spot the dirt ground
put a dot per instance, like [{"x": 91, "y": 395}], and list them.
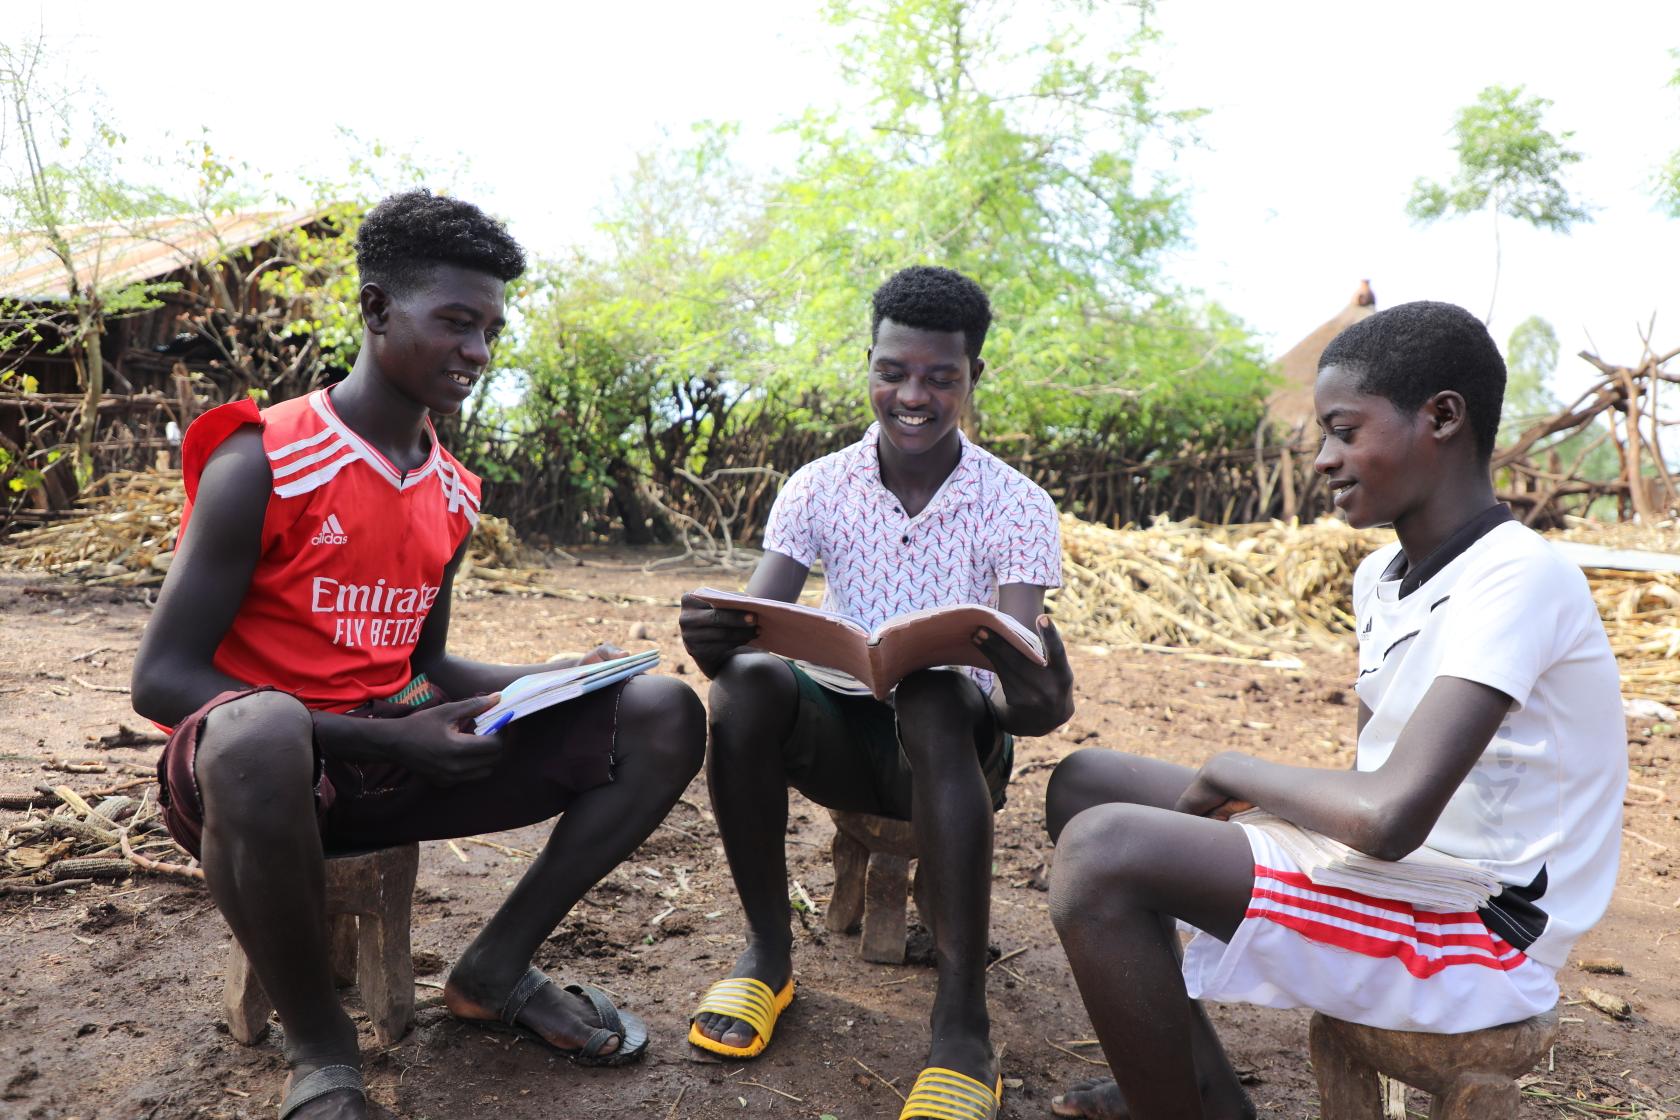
[{"x": 109, "y": 997}]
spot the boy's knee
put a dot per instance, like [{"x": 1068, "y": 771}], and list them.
[
  {"x": 939, "y": 702},
  {"x": 255, "y": 746},
  {"x": 1101, "y": 852},
  {"x": 663, "y": 717},
  {"x": 753, "y": 690},
  {"x": 1069, "y": 787}
]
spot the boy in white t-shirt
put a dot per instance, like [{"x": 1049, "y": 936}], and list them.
[
  {"x": 1490, "y": 728},
  {"x": 911, "y": 516}
]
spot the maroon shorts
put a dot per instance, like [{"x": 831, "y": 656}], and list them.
[{"x": 551, "y": 758}]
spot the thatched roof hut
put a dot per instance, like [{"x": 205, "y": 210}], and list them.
[{"x": 1292, "y": 404}]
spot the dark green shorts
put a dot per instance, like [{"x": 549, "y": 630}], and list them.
[{"x": 835, "y": 736}]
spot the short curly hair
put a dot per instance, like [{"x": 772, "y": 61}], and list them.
[
  {"x": 1412, "y": 351},
  {"x": 930, "y": 298},
  {"x": 408, "y": 234}
]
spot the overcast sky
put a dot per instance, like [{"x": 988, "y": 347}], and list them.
[{"x": 1322, "y": 115}]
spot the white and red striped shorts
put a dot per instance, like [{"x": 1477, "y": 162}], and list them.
[{"x": 1365, "y": 959}]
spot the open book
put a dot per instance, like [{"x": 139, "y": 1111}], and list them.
[
  {"x": 1427, "y": 878},
  {"x": 536, "y": 691},
  {"x": 878, "y": 659}
]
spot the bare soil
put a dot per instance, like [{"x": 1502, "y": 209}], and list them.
[{"x": 110, "y": 997}]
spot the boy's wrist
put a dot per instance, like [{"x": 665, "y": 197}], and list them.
[
  {"x": 1223, "y": 772},
  {"x": 352, "y": 738}
]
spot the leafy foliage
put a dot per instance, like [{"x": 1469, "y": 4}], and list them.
[
  {"x": 1666, "y": 181},
  {"x": 729, "y": 315},
  {"x": 1508, "y": 165},
  {"x": 1507, "y": 162}
]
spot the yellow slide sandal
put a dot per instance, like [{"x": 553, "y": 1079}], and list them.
[
  {"x": 746, "y": 999},
  {"x": 945, "y": 1094}
]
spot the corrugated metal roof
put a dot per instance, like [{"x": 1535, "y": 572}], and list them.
[{"x": 116, "y": 253}]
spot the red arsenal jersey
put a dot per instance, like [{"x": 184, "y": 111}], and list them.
[{"x": 353, "y": 553}]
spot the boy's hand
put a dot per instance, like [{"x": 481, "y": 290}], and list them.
[
  {"x": 1039, "y": 698},
  {"x": 438, "y": 743},
  {"x": 606, "y": 651},
  {"x": 713, "y": 634},
  {"x": 1204, "y": 799}
]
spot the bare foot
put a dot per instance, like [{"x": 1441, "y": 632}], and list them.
[
  {"x": 563, "y": 1019},
  {"x": 766, "y": 966},
  {"x": 1100, "y": 1099},
  {"x": 1096, "y": 1099}
]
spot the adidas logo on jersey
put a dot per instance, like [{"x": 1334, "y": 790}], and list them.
[{"x": 331, "y": 532}]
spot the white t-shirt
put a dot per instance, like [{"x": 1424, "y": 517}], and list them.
[
  {"x": 1542, "y": 806},
  {"x": 988, "y": 525}
]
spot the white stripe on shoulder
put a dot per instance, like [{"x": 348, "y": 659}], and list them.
[
  {"x": 455, "y": 489},
  {"x": 310, "y": 460},
  {"x": 298, "y": 445},
  {"x": 323, "y": 409},
  {"x": 316, "y": 479}
]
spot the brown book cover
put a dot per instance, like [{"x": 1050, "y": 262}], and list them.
[{"x": 881, "y": 658}]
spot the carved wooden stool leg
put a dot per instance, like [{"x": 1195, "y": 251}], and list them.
[
  {"x": 343, "y": 949},
  {"x": 368, "y": 898},
  {"x": 244, "y": 1002},
  {"x": 1469, "y": 1076},
  {"x": 851, "y": 862},
  {"x": 886, "y": 892},
  {"x": 385, "y": 964},
  {"x": 1347, "y": 1086},
  {"x": 1487, "y": 1096}
]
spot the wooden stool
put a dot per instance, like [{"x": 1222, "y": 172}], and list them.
[
  {"x": 368, "y": 900},
  {"x": 871, "y": 880},
  {"x": 1470, "y": 1076}
]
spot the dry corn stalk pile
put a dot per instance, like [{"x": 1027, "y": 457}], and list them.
[
  {"x": 64, "y": 840},
  {"x": 121, "y": 537},
  {"x": 1258, "y": 591},
  {"x": 1266, "y": 591},
  {"x": 125, "y": 530}
]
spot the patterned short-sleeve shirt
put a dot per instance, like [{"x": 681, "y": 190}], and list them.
[{"x": 988, "y": 525}]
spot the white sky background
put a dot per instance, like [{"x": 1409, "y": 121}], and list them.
[{"x": 1322, "y": 115}]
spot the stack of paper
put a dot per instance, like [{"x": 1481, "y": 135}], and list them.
[
  {"x": 1427, "y": 878},
  {"x": 536, "y": 691}
]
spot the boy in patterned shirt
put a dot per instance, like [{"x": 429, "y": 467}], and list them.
[
  {"x": 912, "y": 516},
  {"x": 300, "y": 653}
]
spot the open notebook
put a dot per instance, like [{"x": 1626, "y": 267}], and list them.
[
  {"x": 882, "y": 657},
  {"x": 1426, "y": 877},
  {"x": 537, "y": 691}
]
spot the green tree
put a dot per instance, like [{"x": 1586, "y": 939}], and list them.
[
  {"x": 1003, "y": 141},
  {"x": 1508, "y": 165},
  {"x": 1531, "y": 358},
  {"x": 61, "y": 198},
  {"x": 1666, "y": 182}
]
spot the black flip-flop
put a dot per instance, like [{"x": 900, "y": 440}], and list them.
[
  {"x": 628, "y": 1029},
  {"x": 318, "y": 1083}
]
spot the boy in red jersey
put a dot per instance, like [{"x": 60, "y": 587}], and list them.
[{"x": 311, "y": 590}]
